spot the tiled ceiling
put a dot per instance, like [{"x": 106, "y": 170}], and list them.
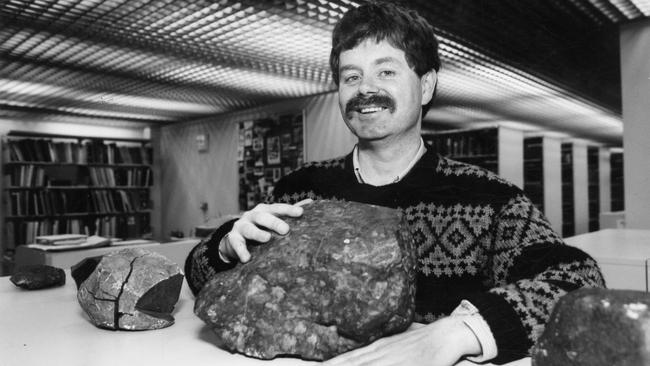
[{"x": 550, "y": 64}]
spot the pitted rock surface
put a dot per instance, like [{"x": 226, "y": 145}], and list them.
[
  {"x": 131, "y": 289},
  {"x": 597, "y": 327},
  {"x": 38, "y": 276},
  {"x": 343, "y": 277}
]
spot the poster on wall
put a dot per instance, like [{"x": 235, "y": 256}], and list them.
[{"x": 268, "y": 149}]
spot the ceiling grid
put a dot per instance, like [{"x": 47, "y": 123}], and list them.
[{"x": 170, "y": 61}]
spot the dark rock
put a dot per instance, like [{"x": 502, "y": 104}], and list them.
[
  {"x": 132, "y": 289},
  {"x": 38, "y": 276},
  {"x": 343, "y": 277},
  {"x": 597, "y": 327}
]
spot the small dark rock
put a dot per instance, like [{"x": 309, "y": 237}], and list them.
[
  {"x": 38, "y": 276},
  {"x": 597, "y": 327},
  {"x": 342, "y": 278}
]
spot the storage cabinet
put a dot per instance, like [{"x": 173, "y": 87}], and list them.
[
  {"x": 534, "y": 170},
  {"x": 593, "y": 178},
  {"x": 568, "y": 204},
  {"x": 54, "y": 184},
  {"x": 542, "y": 176},
  {"x": 498, "y": 149},
  {"x": 478, "y": 147},
  {"x": 617, "y": 190}
]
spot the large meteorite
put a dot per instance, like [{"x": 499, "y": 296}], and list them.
[
  {"x": 597, "y": 327},
  {"x": 343, "y": 277},
  {"x": 131, "y": 289}
]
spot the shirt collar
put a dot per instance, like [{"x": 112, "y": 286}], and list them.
[{"x": 357, "y": 172}]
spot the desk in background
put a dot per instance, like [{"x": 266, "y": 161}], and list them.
[
  {"x": 175, "y": 251},
  {"x": 622, "y": 255}
]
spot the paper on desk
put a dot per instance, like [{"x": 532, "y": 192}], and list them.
[
  {"x": 133, "y": 242},
  {"x": 90, "y": 242},
  {"x": 61, "y": 239}
]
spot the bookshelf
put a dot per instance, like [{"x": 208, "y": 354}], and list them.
[
  {"x": 55, "y": 184},
  {"x": 542, "y": 175},
  {"x": 534, "y": 170},
  {"x": 616, "y": 174},
  {"x": 498, "y": 149},
  {"x": 593, "y": 186},
  {"x": 568, "y": 209}
]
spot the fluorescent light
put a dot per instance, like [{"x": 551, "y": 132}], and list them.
[{"x": 643, "y": 5}]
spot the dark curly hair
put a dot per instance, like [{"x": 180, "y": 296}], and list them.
[{"x": 402, "y": 28}]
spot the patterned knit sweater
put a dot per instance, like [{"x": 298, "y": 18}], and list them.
[{"x": 478, "y": 238}]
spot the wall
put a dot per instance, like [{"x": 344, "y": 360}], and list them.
[
  {"x": 552, "y": 159},
  {"x": 511, "y": 155},
  {"x": 635, "y": 81},
  {"x": 580, "y": 188},
  {"x": 191, "y": 178}
]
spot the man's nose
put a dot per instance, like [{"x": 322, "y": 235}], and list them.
[{"x": 368, "y": 85}]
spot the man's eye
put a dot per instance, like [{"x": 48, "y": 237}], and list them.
[
  {"x": 351, "y": 78},
  {"x": 387, "y": 73}
]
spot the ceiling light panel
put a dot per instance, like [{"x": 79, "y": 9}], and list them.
[
  {"x": 643, "y": 5},
  {"x": 627, "y": 7},
  {"x": 606, "y": 8},
  {"x": 243, "y": 36}
]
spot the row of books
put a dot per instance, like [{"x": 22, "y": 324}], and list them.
[
  {"x": 26, "y": 232},
  {"x": 111, "y": 201},
  {"x": 94, "y": 151},
  {"x": 464, "y": 144},
  {"x": 26, "y": 176},
  {"x": 125, "y": 227},
  {"x": 36, "y": 203},
  {"x": 112, "y": 153},
  {"x": 112, "y": 177},
  {"x": 38, "y": 176},
  {"x": 58, "y": 202}
]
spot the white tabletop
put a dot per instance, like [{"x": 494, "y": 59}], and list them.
[
  {"x": 49, "y": 327},
  {"x": 614, "y": 245}
]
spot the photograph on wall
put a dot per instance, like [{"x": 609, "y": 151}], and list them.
[
  {"x": 273, "y": 150},
  {"x": 248, "y": 137},
  {"x": 268, "y": 149}
]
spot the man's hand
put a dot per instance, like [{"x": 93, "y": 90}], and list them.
[
  {"x": 441, "y": 343},
  {"x": 257, "y": 225}
]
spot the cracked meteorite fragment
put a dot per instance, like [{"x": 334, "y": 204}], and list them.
[
  {"x": 597, "y": 327},
  {"x": 343, "y": 277},
  {"x": 38, "y": 276},
  {"x": 131, "y": 289}
]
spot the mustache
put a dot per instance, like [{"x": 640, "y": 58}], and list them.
[{"x": 359, "y": 101}]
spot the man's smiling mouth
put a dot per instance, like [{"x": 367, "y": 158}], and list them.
[
  {"x": 367, "y": 110},
  {"x": 367, "y": 105}
]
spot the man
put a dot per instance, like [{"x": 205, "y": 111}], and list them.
[{"x": 490, "y": 266}]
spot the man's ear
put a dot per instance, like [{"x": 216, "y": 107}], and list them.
[{"x": 428, "y": 83}]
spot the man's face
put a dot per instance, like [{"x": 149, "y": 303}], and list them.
[{"x": 380, "y": 96}]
